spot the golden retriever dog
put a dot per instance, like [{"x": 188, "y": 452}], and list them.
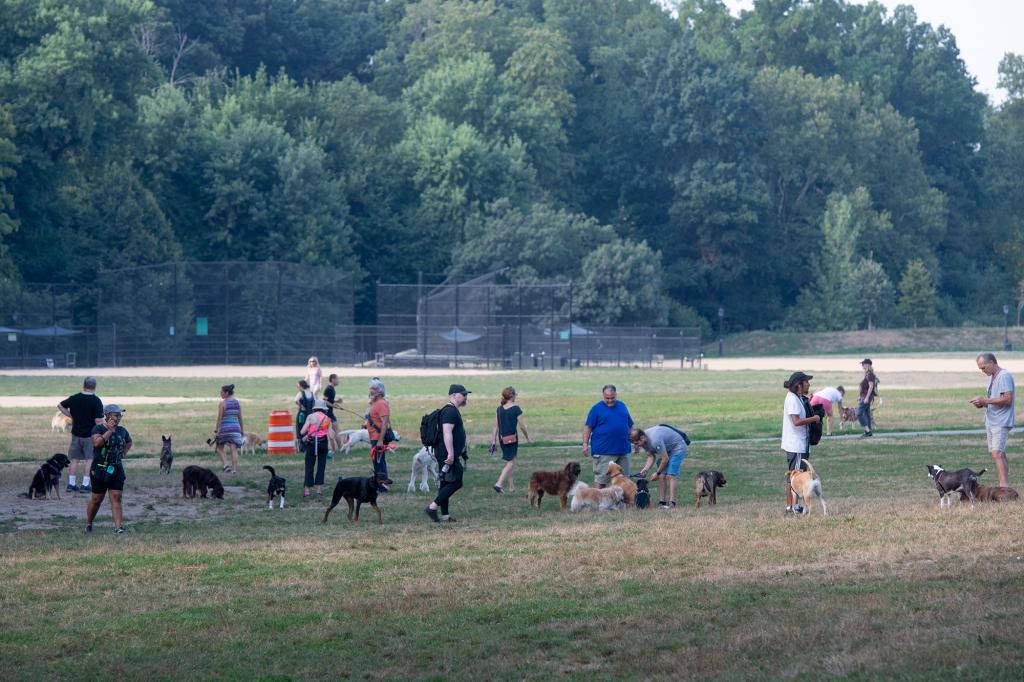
[
  {"x": 60, "y": 423},
  {"x": 628, "y": 487},
  {"x": 253, "y": 442},
  {"x": 585, "y": 497},
  {"x": 806, "y": 485}
]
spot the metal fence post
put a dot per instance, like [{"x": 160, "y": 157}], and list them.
[{"x": 570, "y": 325}]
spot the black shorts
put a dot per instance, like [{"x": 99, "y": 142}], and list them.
[
  {"x": 793, "y": 460},
  {"x": 100, "y": 481}
]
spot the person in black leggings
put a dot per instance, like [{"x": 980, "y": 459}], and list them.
[{"x": 453, "y": 445}]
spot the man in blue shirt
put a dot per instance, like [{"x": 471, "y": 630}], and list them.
[{"x": 606, "y": 436}]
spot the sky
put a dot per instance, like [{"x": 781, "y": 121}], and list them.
[{"x": 985, "y": 30}]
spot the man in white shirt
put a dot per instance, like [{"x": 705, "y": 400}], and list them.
[{"x": 999, "y": 411}]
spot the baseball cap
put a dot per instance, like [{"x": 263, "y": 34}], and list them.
[
  {"x": 458, "y": 388},
  {"x": 797, "y": 377},
  {"x": 320, "y": 405},
  {"x": 865, "y": 361},
  {"x": 113, "y": 407}
]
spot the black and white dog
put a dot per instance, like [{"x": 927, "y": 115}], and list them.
[
  {"x": 47, "y": 478},
  {"x": 950, "y": 482},
  {"x": 275, "y": 487},
  {"x": 642, "y": 499},
  {"x": 166, "y": 457}
]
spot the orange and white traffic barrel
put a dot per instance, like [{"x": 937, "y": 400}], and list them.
[{"x": 281, "y": 434}]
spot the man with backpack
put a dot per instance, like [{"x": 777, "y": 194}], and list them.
[
  {"x": 672, "y": 446},
  {"x": 444, "y": 427}
]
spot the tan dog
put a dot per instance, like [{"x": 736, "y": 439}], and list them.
[
  {"x": 253, "y": 442},
  {"x": 991, "y": 493},
  {"x": 60, "y": 423},
  {"x": 585, "y": 497},
  {"x": 806, "y": 485},
  {"x": 628, "y": 487}
]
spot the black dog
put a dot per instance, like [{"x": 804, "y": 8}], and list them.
[
  {"x": 355, "y": 491},
  {"x": 47, "y": 478},
  {"x": 707, "y": 484},
  {"x": 642, "y": 499},
  {"x": 195, "y": 478},
  {"x": 949, "y": 482},
  {"x": 166, "y": 458},
  {"x": 275, "y": 487}
]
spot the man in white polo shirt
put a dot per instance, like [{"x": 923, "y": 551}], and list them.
[{"x": 999, "y": 411}]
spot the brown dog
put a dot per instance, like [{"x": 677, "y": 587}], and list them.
[
  {"x": 847, "y": 415},
  {"x": 991, "y": 493},
  {"x": 553, "y": 483},
  {"x": 706, "y": 485},
  {"x": 628, "y": 487}
]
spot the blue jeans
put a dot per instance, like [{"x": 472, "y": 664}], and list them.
[{"x": 864, "y": 413}]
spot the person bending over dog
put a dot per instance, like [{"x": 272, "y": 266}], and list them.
[
  {"x": 453, "y": 444},
  {"x": 671, "y": 445},
  {"x": 110, "y": 443},
  {"x": 829, "y": 398},
  {"x": 795, "y": 434}
]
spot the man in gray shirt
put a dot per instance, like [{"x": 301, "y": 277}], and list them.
[
  {"x": 671, "y": 444},
  {"x": 999, "y": 411}
]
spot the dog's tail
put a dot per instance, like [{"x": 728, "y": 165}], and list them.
[
  {"x": 576, "y": 486},
  {"x": 271, "y": 470},
  {"x": 980, "y": 473},
  {"x": 809, "y": 467}
]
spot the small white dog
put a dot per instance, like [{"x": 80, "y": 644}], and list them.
[
  {"x": 59, "y": 423},
  {"x": 585, "y": 497},
  {"x": 353, "y": 437},
  {"x": 423, "y": 465}
]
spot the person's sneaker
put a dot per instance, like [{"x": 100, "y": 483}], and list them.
[
  {"x": 671, "y": 505},
  {"x": 449, "y": 519},
  {"x": 789, "y": 510},
  {"x": 497, "y": 489},
  {"x": 866, "y": 434},
  {"x": 432, "y": 513},
  {"x": 88, "y": 528},
  {"x": 663, "y": 505},
  {"x": 798, "y": 509},
  {"x": 71, "y": 489},
  {"x": 85, "y": 489},
  {"x": 120, "y": 530}
]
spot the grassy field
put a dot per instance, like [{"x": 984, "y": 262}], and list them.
[{"x": 887, "y": 586}]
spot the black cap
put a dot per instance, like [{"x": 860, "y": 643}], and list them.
[
  {"x": 458, "y": 388},
  {"x": 796, "y": 377},
  {"x": 865, "y": 361}
]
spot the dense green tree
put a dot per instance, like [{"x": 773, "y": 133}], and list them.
[
  {"x": 917, "y": 302},
  {"x": 607, "y": 289},
  {"x": 873, "y": 293}
]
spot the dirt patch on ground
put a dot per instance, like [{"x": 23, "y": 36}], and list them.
[{"x": 146, "y": 498}]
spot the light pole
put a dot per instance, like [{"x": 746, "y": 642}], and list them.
[
  {"x": 1006, "y": 324},
  {"x": 721, "y": 322}
]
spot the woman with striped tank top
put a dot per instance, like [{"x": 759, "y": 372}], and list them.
[{"x": 229, "y": 427}]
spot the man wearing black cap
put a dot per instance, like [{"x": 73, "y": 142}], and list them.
[
  {"x": 453, "y": 444},
  {"x": 795, "y": 434},
  {"x": 868, "y": 391}
]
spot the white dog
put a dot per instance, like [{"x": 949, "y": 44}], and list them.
[
  {"x": 59, "y": 423},
  {"x": 585, "y": 497},
  {"x": 423, "y": 465},
  {"x": 353, "y": 437}
]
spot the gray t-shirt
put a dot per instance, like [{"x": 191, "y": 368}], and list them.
[
  {"x": 665, "y": 440},
  {"x": 996, "y": 415}
]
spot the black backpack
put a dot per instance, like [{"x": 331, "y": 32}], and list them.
[
  {"x": 430, "y": 428},
  {"x": 814, "y": 429},
  {"x": 686, "y": 439}
]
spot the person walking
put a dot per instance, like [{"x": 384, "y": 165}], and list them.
[
  {"x": 453, "y": 445},
  {"x": 868, "y": 391},
  {"x": 332, "y": 400},
  {"x": 86, "y": 411},
  {"x": 314, "y": 438},
  {"x": 830, "y": 399},
  {"x": 508, "y": 420},
  {"x": 229, "y": 430},
  {"x": 668, "y": 444},
  {"x": 999, "y": 404},
  {"x": 305, "y": 401},
  {"x": 378, "y": 424},
  {"x": 606, "y": 435},
  {"x": 314, "y": 375},
  {"x": 110, "y": 443},
  {"x": 795, "y": 434}
]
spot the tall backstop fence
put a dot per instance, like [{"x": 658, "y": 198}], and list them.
[{"x": 271, "y": 313}]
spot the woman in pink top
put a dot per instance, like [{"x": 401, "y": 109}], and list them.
[
  {"x": 314, "y": 376},
  {"x": 314, "y": 438}
]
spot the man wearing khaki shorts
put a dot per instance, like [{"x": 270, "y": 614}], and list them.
[
  {"x": 86, "y": 411},
  {"x": 999, "y": 411},
  {"x": 606, "y": 435}
]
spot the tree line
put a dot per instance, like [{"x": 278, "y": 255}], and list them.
[{"x": 807, "y": 164}]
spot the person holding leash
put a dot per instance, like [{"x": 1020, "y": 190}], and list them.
[
  {"x": 314, "y": 433},
  {"x": 796, "y": 439},
  {"x": 378, "y": 424},
  {"x": 670, "y": 444},
  {"x": 868, "y": 391},
  {"x": 110, "y": 443},
  {"x": 332, "y": 400}
]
